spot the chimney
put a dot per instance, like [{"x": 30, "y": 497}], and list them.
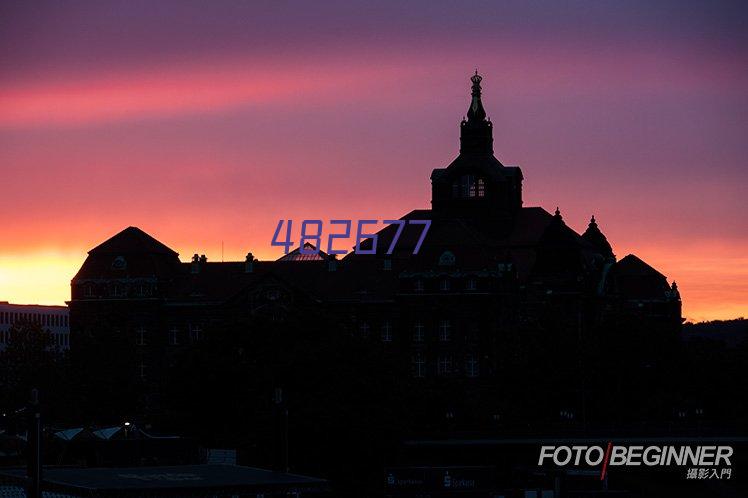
[
  {"x": 332, "y": 262},
  {"x": 195, "y": 266},
  {"x": 249, "y": 263}
]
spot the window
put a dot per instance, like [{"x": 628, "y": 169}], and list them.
[
  {"x": 419, "y": 366},
  {"x": 418, "y": 285},
  {"x": 447, "y": 258},
  {"x": 118, "y": 290},
  {"x": 444, "y": 284},
  {"x": 469, "y": 187},
  {"x": 143, "y": 290},
  {"x": 195, "y": 332},
  {"x": 472, "y": 368},
  {"x": 173, "y": 336},
  {"x": 364, "y": 329},
  {"x": 141, "y": 370},
  {"x": 386, "y": 332},
  {"x": 471, "y": 284},
  {"x": 418, "y": 332},
  {"x": 88, "y": 290},
  {"x": 388, "y": 264},
  {"x": 444, "y": 365},
  {"x": 445, "y": 330},
  {"x": 140, "y": 336}
]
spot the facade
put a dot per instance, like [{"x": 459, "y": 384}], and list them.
[
  {"x": 492, "y": 278},
  {"x": 53, "y": 319}
]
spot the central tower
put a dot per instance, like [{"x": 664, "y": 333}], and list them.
[
  {"x": 476, "y": 184},
  {"x": 475, "y": 131}
]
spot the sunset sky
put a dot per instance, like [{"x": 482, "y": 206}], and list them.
[{"x": 206, "y": 122}]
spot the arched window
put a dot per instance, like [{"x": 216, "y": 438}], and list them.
[{"x": 469, "y": 187}]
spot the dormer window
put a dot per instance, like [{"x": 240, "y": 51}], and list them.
[{"x": 469, "y": 187}]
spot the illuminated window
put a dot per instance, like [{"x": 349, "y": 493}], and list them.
[{"x": 469, "y": 187}]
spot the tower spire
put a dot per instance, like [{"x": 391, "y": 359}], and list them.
[
  {"x": 476, "y": 136},
  {"x": 476, "y": 111}
]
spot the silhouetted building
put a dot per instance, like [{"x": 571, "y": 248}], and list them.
[
  {"x": 492, "y": 280},
  {"x": 196, "y": 481},
  {"x": 52, "y": 319}
]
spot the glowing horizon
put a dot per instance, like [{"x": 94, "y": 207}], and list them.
[{"x": 209, "y": 131}]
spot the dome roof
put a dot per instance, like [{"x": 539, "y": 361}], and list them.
[{"x": 594, "y": 236}]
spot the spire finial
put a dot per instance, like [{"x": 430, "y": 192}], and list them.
[
  {"x": 558, "y": 212},
  {"x": 476, "y": 111}
]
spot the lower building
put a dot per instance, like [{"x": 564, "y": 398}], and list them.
[{"x": 54, "y": 320}]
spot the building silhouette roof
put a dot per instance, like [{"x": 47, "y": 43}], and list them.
[
  {"x": 132, "y": 240},
  {"x": 594, "y": 236},
  {"x": 297, "y": 255}
]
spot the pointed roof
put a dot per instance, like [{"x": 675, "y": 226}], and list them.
[
  {"x": 296, "y": 254},
  {"x": 476, "y": 111},
  {"x": 632, "y": 266},
  {"x": 594, "y": 236},
  {"x": 559, "y": 249},
  {"x": 132, "y": 240},
  {"x": 632, "y": 278}
]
